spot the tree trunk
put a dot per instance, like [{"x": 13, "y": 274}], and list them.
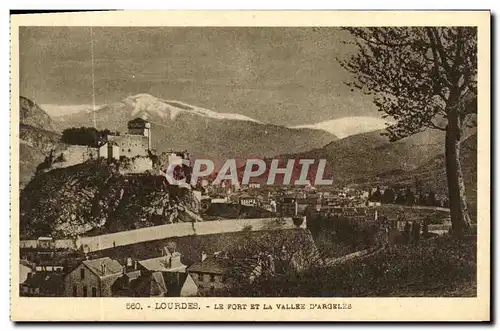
[{"x": 460, "y": 219}]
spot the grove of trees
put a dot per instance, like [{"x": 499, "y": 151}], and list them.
[{"x": 85, "y": 136}]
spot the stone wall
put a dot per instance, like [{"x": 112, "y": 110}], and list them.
[
  {"x": 136, "y": 165},
  {"x": 72, "y": 155},
  {"x": 97, "y": 243}
]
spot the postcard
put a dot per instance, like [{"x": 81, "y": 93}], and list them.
[{"x": 250, "y": 166}]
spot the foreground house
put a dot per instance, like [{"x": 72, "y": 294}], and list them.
[
  {"x": 171, "y": 262},
  {"x": 145, "y": 283},
  {"x": 210, "y": 275},
  {"x": 163, "y": 284},
  {"x": 93, "y": 278},
  {"x": 217, "y": 273}
]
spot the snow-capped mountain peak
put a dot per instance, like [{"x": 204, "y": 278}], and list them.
[
  {"x": 144, "y": 104},
  {"x": 348, "y": 126}
]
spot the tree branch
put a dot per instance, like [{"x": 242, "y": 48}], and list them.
[{"x": 440, "y": 49}]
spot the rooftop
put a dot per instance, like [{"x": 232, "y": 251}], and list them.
[
  {"x": 148, "y": 285},
  {"x": 162, "y": 264},
  {"x": 211, "y": 265},
  {"x": 137, "y": 121},
  {"x": 112, "y": 267}
]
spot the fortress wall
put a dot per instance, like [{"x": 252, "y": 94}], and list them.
[
  {"x": 74, "y": 154},
  {"x": 138, "y": 165}
]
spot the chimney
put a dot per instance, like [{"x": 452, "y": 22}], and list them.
[
  {"x": 167, "y": 262},
  {"x": 203, "y": 256},
  {"x": 103, "y": 268}
]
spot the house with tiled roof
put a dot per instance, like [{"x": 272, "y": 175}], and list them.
[
  {"x": 216, "y": 273},
  {"x": 155, "y": 284},
  {"x": 149, "y": 284},
  {"x": 167, "y": 263},
  {"x": 93, "y": 278},
  {"x": 123, "y": 285}
]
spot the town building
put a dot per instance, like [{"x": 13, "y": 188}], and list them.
[
  {"x": 167, "y": 263},
  {"x": 50, "y": 266},
  {"x": 156, "y": 277},
  {"x": 288, "y": 206},
  {"x": 163, "y": 284},
  {"x": 247, "y": 200},
  {"x": 210, "y": 275},
  {"x": 221, "y": 271},
  {"x": 123, "y": 285},
  {"x": 93, "y": 278},
  {"x": 45, "y": 242}
]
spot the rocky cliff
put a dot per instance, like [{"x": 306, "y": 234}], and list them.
[
  {"x": 36, "y": 138},
  {"x": 93, "y": 197}
]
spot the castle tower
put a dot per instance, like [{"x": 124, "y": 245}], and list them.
[
  {"x": 147, "y": 133},
  {"x": 140, "y": 127}
]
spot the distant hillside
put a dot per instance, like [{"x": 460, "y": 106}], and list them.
[
  {"x": 204, "y": 133},
  {"x": 31, "y": 114},
  {"x": 363, "y": 157},
  {"x": 368, "y": 154},
  {"x": 36, "y": 138},
  {"x": 433, "y": 173},
  {"x": 370, "y": 159},
  {"x": 93, "y": 196}
]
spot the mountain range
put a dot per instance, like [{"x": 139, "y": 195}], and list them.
[
  {"x": 356, "y": 158},
  {"x": 204, "y": 133}
]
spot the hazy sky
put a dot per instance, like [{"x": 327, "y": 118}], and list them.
[{"x": 285, "y": 76}]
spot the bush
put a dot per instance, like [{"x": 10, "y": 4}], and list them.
[{"x": 337, "y": 235}]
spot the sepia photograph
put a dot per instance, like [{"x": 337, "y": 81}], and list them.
[{"x": 184, "y": 163}]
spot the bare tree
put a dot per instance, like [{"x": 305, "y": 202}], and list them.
[{"x": 423, "y": 77}]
